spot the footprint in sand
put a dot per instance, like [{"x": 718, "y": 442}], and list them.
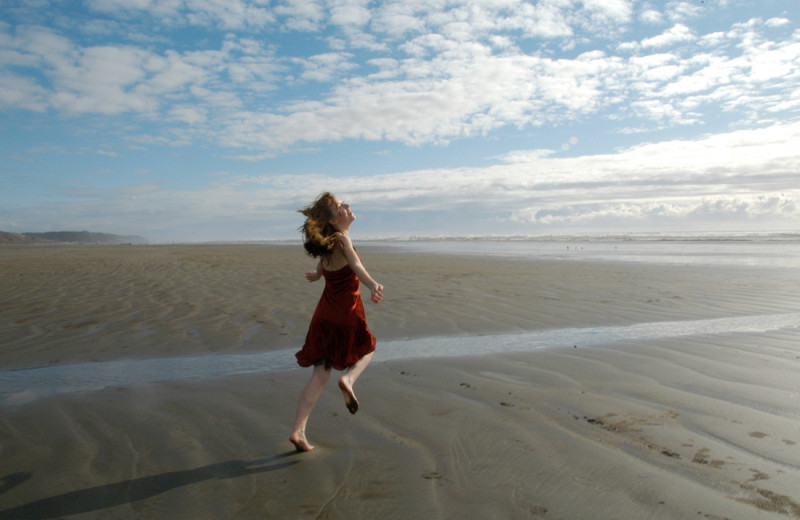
[{"x": 431, "y": 475}]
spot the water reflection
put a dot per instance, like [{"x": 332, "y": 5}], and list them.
[{"x": 24, "y": 386}]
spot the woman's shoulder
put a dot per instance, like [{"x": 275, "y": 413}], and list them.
[
  {"x": 345, "y": 242},
  {"x": 342, "y": 237}
]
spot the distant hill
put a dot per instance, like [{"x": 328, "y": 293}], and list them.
[
  {"x": 12, "y": 238},
  {"x": 71, "y": 237}
]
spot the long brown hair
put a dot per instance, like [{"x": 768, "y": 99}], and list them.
[{"x": 319, "y": 235}]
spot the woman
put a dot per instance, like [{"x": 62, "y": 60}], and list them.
[{"x": 338, "y": 336}]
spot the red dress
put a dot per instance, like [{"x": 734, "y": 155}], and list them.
[{"x": 338, "y": 335}]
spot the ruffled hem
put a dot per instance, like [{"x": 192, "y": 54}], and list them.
[{"x": 307, "y": 356}]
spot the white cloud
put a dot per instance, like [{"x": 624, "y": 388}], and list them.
[
  {"x": 397, "y": 19},
  {"x": 227, "y": 14},
  {"x": 101, "y": 80},
  {"x": 189, "y": 114},
  {"x": 326, "y": 67},
  {"x": 464, "y": 89},
  {"x": 114, "y": 79},
  {"x": 738, "y": 178},
  {"x": 24, "y": 93},
  {"x": 424, "y": 73},
  {"x": 301, "y": 15},
  {"x": 173, "y": 72},
  {"x": 683, "y": 11},
  {"x": 609, "y": 12},
  {"x": 777, "y": 22},
  {"x": 681, "y": 211},
  {"x": 349, "y": 14},
  {"x": 545, "y": 20},
  {"x": 445, "y": 70},
  {"x": 652, "y": 17},
  {"x": 678, "y": 33},
  {"x": 466, "y": 92}
]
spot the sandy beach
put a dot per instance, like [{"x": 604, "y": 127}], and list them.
[{"x": 698, "y": 426}]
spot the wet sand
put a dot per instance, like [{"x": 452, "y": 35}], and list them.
[
  {"x": 62, "y": 305},
  {"x": 704, "y": 426}
]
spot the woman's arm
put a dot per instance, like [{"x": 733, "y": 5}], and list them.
[
  {"x": 354, "y": 261},
  {"x": 313, "y": 276}
]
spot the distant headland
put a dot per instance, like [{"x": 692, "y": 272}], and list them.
[{"x": 69, "y": 237}]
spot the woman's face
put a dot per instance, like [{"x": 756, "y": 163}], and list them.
[{"x": 342, "y": 217}]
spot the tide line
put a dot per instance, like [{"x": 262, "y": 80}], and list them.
[{"x": 27, "y": 385}]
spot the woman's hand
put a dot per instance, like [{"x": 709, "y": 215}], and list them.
[
  {"x": 313, "y": 276},
  {"x": 376, "y": 293}
]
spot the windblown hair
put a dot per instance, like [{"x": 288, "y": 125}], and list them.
[{"x": 319, "y": 236}]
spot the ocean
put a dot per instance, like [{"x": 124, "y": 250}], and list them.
[{"x": 778, "y": 250}]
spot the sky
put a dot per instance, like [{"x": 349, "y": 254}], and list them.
[{"x": 215, "y": 120}]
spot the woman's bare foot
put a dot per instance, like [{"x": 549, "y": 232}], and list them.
[
  {"x": 300, "y": 442},
  {"x": 349, "y": 397}
]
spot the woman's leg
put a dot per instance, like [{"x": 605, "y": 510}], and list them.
[
  {"x": 349, "y": 378},
  {"x": 308, "y": 398}
]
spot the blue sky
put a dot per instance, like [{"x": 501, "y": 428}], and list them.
[{"x": 206, "y": 120}]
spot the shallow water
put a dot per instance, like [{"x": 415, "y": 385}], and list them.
[
  {"x": 27, "y": 385},
  {"x": 771, "y": 250}
]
